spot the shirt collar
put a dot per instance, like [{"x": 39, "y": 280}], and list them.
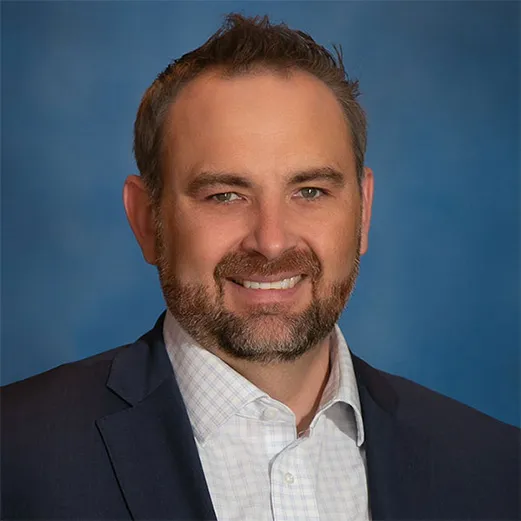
[
  {"x": 213, "y": 391},
  {"x": 341, "y": 386}
]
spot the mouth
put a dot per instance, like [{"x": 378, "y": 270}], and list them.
[{"x": 265, "y": 285}]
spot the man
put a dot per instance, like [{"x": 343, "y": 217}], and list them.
[{"x": 244, "y": 402}]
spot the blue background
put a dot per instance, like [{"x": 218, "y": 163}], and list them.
[{"x": 438, "y": 296}]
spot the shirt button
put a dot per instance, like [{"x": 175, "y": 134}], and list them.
[
  {"x": 270, "y": 414},
  {"x": 289, "y": 478}
]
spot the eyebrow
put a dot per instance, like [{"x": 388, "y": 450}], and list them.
[
  {"x": 208, "y": 179},
  {"x": 325, "y": 173}
]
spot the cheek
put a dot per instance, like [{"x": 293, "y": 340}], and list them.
[
  {"x": 195, "y": 247},
  {"x": 337, "y": 247}
]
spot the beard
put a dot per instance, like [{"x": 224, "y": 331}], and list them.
[{"x": 266, "y": 333}]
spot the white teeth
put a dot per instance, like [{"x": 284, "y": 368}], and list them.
[{"x": 281, "y": 284}]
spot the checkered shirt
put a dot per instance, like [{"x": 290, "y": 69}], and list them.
[{"x": 256, "y": 466}]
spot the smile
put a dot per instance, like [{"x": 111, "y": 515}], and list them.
[{"x": 279, "y": 284}]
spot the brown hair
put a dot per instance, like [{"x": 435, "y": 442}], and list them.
[{"x": 240, "y": 46}]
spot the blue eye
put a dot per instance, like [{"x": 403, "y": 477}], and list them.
[
  {"x": 225, "y": 197},
  {"x": 311, "y": 193}
]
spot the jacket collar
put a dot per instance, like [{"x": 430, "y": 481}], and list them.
[{"x": 139, "y": 369}]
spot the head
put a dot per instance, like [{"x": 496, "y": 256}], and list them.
[{"x": 253, "y": 200}]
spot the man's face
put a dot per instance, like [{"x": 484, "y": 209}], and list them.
[{"x": 260, "y": 192}]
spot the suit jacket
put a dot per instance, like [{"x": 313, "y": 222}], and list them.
[{"x": 109, "y": 438}]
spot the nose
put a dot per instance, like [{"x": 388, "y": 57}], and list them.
[{"x": 270, "y": 232}]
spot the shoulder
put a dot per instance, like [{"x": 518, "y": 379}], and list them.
[
  {"x": 81, "y": 392},
  {"x": 428, "y": 410},
  {"x": 470, "y": 461},
  {"x": 49, "y": 428},
  {"x": 445, "y": 416},
  {"x": 49, "y": 424},
  {"x": 457, "y": 433},
  {"x": 73, "y": 386}
]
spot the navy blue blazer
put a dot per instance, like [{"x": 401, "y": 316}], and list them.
[{"x": 109, "y": 438}]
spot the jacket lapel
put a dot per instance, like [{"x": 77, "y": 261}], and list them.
[
  {"x": 151, "y": 444},
  {"x": 154, "y": 455},
  {"x": 398, "y": 460}
]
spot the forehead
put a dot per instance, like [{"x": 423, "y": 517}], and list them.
[{"x": 256, "y": 122}]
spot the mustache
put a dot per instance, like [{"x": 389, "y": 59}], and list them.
[{"x": 243, "y": 264}]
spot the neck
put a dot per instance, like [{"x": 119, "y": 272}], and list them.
[{"x": 298, "y": 384}]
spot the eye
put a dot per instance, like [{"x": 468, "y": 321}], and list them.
[
  {"x": 225, "y": 197},
  {"x": 310, "y": 193}
]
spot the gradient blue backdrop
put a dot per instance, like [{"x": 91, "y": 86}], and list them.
[{"x": 438, "y": 296}]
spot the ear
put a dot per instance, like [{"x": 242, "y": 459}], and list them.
[
  {"x": 140, "y": 215},
  {"x": 367, "y": 203}
]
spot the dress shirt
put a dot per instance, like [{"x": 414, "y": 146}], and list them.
[{"x": 256, "y": 465}]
